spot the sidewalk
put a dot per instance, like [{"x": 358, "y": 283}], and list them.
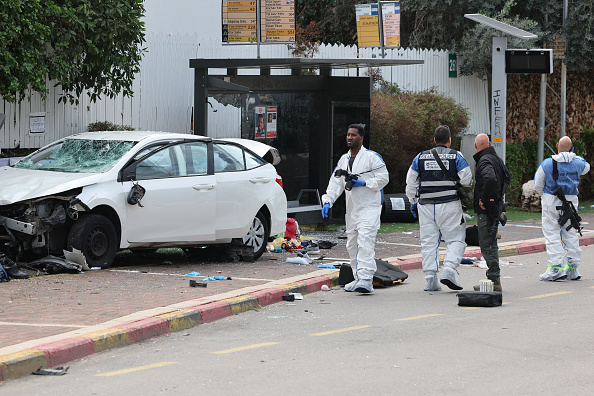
[{"x": 52, "y": 320}]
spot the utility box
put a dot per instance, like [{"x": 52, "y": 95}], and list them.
[{"x": 535, "y": 61}]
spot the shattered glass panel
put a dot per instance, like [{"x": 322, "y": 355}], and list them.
[{"x": 77, "y": 156}]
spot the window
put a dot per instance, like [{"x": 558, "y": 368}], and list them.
[
  {"x": 228, "y": 158},
  {"x": 196, "y": 158},
  {"x": 251, "y": 161},
  {"x": 161, "y": 164}
]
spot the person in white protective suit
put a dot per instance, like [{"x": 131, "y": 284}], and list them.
[
  {"x": 364, "y": 199},
  {"x": 434, "y": 193},
  {"x": 563, "y": 246}
]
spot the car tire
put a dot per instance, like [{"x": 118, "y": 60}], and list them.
[
  {"x": 96, "y": 237},
  {"x": 258, "y": 235}
]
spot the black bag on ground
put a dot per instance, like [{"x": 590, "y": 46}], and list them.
[
  {"x": 480, "y": 299},
  {"x": 386, "y": 274},
  {"x": 472, "y": 238}
]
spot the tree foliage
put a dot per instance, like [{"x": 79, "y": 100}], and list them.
[
  {"x": 440, "y": 24},
  {"x": 82, "y": 44}
]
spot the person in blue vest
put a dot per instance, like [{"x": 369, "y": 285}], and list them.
[
  {"x": 364, "y": 199},
  {"x": 563, "y": 246},
  {"x": 435, "y": 194}
]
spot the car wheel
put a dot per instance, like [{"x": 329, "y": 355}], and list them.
[
  {"x": 96, "y": 237},
  {"x": 258, "y": 235}
]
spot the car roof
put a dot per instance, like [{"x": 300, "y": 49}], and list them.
[{"x": 134, "y": 136}]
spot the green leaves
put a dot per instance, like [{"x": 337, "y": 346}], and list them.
[{"x": 82, "y": 44}]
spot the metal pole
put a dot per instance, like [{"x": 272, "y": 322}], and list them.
[
  {"x": 541, "y": 117},
  {"x": 258, "y": 27},
  {"x": 381, "y": 27},
  {"x": 563, "y": 80}
]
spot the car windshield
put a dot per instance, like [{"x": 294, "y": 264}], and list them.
[{"x": 77, "y": 156}]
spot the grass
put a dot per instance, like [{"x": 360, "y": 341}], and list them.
[{"x": 514, "y": 214}]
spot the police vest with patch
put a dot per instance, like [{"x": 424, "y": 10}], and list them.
[{"x": 436, "y": 186}]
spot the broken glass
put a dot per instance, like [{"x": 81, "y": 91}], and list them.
[{"x": 77, "y": 156}]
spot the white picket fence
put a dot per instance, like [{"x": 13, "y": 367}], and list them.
[{"x": 163, "y": 91}]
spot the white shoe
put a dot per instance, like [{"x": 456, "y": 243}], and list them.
[
  {"x": 350, "y": 287},
  {"x": 449, "y": 277},
  {"x": 572, "y": 273},
  {"x": 364, "y": 286},
  {"x": 431, "y": 283},
  {"x": 554, "y": 273}
]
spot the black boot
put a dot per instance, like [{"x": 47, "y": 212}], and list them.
[{"x": 11, "y": 268}]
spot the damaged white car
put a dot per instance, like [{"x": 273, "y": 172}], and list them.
[{"x": 99, "y": 192}]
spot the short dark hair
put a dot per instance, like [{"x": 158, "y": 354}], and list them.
[
  {"x": 359, "y": 127},
  {"x": 442, "y": 134}
]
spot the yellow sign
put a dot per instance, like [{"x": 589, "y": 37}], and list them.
[{"x": 277, "y": 21}]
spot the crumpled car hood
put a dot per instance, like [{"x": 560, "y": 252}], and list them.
[{"x": 17, "y": 185}]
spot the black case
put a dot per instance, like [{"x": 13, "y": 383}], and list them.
[
  {"x": 386, "y": 275},
  {"x": 480, "y": 299}
]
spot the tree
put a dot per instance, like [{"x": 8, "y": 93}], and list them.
[
  {"x": 81, "y": 44},
  {"x": 440, "y": 24}
]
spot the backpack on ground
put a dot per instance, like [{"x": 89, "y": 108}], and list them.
[{"x": 386, "y": 274}]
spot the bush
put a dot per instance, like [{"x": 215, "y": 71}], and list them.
[
  {"x": 403, "y": 124},
  {"x": 107, "y": 126}
]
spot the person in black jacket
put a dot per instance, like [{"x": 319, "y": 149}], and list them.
[{"x": 491, "y": 174}]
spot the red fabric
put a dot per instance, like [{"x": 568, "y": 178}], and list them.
[{"x": 291, "y": 231}]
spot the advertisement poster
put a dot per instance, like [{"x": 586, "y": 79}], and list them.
[
  {"x": 271, "y": 122},
  {"x": 260, "y": 123}
]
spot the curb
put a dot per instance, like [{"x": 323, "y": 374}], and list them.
[
  {"x": 504, "y": 251},
  {"x": 23, "y": 363}
]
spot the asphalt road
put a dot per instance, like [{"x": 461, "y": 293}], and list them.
[{"x": 399, "y": 340}]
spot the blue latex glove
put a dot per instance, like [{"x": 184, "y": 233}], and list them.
[
  {"x": 325, "y": 210},
  {"x": 358, "y": 183},
  {"x": 414, "y": 210}
]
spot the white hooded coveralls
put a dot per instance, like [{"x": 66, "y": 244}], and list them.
[
  {"x": 561, "y": 244},
  {"x": 440, "y": 220},
  {"x": 363, "y": 207}
]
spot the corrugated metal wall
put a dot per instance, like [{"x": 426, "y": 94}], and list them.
[{"x": 163, "y": 91}]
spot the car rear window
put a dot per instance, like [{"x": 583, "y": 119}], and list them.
[{"x": 77, "y": 156}]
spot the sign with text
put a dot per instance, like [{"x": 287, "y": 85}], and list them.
[
  {"x": 278, "y": 21},
  {"x": 452, "y": 65},
  {"x": 240, "y": 21},
  {"x": 391, "y": 24},
  {"x": 367, "y": 25}
]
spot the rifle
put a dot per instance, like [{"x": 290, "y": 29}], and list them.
[{"x": 568, "y": 212}]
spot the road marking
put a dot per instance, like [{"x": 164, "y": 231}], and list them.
[
  {"x": 325, "y": 333},
  {"x": 244, "y": 348},
  {"x": 131, "y": 370},
  {"x": 191, "y": 276},
  {"x": 550, "y": 294},
  {"x": 39, "y": 325},
  {"x": 420, "y": 317}
]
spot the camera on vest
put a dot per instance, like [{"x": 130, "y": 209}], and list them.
[{"x": 348, "y": 178}]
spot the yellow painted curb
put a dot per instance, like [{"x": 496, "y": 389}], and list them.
[
  {"x": 108, "y": 339},
  {"x": 182, "y": 319},
  {"x": 508, "y": 251},
  {"x": 20, "y": 364},
  {"x": 242, "y": 303}
]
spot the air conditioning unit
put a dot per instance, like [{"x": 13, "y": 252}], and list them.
[{"x": 538, "y": 61}]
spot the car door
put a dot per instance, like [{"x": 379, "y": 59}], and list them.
[
  {"x": 243, "y": 184},
  {"x": 180, "y": 198}
]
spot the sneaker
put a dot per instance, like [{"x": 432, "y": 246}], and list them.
[
  {"x": 554, "y": 273},
  {"x": 431, "y": 283},
  {"x": 496, "y": 288},
  {"x": 449, "y": 277},
  {"x": 572, "y": 273},
  {"x": 350, "y": 287},
  {"x": 364, "y": 286}
]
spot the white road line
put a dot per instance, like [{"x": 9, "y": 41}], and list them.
[{"x": 39, "y": 324}]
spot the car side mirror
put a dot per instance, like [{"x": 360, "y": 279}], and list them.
[{"x": 136, "y": 194}]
